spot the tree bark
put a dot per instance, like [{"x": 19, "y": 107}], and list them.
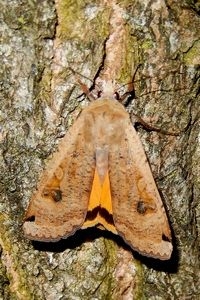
[{"x": 40, "y": 42}]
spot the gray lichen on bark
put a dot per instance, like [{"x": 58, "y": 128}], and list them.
[{"x": 39, "y": 41}]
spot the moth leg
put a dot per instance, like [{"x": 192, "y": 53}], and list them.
[
  {"x": 136, "y": 119},
  {"x": 83, "y": 86}
]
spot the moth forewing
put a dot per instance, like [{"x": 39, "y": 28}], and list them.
[
  {"x": 140, "y": 217},
  {"x": 69, "y": 175}
]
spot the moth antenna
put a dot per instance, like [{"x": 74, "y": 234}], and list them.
[
  {"x": 75, "y": 73},
  {"x": 136, "y": 119}
]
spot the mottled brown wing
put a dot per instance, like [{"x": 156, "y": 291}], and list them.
[
  {"x": 138, "y": 212},
  {"x": 59, "y": 205}
]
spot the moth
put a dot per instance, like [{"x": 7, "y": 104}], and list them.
[{"x": 100, "y": 176}]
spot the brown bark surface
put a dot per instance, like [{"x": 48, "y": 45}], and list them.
[{"x": 39, "y": 100}]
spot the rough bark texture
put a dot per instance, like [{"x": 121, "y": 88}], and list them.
[{"x": 39, "y": 41}]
